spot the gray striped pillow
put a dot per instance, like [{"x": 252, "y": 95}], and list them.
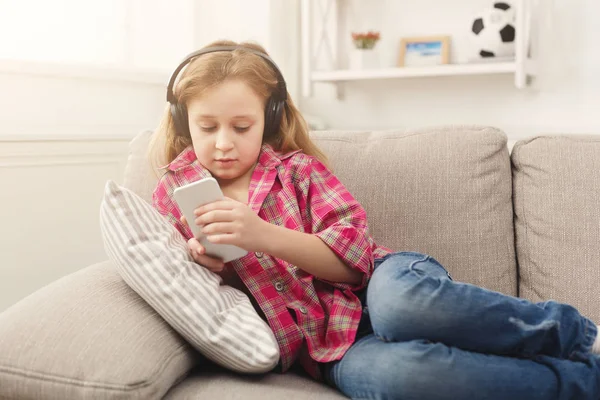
[{"x": 152, "y": 257}]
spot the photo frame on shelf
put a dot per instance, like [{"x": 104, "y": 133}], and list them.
[{"x": 424, "y": 51}]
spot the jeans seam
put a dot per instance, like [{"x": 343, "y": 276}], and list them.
[{"x": 382, "y": 338}]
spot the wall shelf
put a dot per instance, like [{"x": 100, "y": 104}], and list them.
[
  {"x": 345, "y": 75},
  {"x": 327, "y": 19}
]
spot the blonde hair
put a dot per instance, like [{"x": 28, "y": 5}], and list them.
[{"x": 210, "y": 70}]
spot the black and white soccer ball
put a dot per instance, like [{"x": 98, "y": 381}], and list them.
[{"x": 493, "y": 33}]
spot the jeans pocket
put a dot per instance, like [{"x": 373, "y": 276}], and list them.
[
  {"x": 426, "y": 264},
  {"x": 433, "y": 260}
]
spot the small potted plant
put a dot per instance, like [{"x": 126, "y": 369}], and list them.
[
  {"x": 363, "y": 55},
  {"x": 365, "y": 41}
]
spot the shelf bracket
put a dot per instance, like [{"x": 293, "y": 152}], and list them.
[
  {"x": 327, "y": 43},
  {"x": 305, "y": 44},
  {"x": 526, "y": 68}
]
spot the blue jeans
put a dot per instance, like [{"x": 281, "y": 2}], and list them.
[{"x": 424, "y": 336}]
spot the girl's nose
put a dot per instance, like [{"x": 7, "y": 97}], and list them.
[{"x": 224, "y": 141}]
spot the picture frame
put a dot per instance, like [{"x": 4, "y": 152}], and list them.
[{"x": 424, "y": 51}]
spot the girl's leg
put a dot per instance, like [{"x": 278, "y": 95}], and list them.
[
  {"x": 416, "y": 370},
  {"x": 411, "y": 296}
]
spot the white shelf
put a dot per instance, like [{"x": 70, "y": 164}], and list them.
[
  {"x": 331, "y": 46},
  {"x": 415, "y": 72}
]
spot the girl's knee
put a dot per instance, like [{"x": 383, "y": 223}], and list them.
[
  {"x": 399, "y": 370},
  {"x": 399, "y": 295}
]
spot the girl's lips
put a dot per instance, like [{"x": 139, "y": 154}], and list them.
[{"x": 225, "y": 162}]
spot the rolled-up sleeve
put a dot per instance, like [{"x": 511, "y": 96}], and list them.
[{"x": 338, "y": 219}]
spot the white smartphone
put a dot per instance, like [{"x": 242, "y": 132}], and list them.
[{"x": 194, "y": 195}]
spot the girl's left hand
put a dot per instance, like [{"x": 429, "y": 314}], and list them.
[{"x": 228, "y": 221}]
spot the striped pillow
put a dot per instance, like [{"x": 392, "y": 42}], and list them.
[{"x": 152, "y": 258}]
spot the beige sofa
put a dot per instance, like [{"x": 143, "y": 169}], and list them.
[{"x": 526, "y": 223}]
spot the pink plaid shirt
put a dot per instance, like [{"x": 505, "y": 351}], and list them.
[{"x": 314, "y": 320}]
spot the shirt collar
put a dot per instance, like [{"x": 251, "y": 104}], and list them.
[
  {"x": 268, "y": 158},
  {"x": 186, "y": 157}
]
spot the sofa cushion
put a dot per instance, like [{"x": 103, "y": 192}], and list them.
[
  {"x": 141, "y": 176},
  {"x": 152, "y": 257},
  {"x": 442, "y": 191},
  {"x": 88, "y": 335},
  {"x": 556, "y": 183},
  {"x": 215, "y": 383}
]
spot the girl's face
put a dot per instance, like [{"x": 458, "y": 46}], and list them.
[{"x": 226, "y": 126}]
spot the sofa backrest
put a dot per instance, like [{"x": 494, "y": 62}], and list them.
[
  {"x": 442, "y": 191},
  {"x": 556, "y": 184}
]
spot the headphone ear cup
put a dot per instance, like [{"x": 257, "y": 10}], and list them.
[
  {"x": 273, "y": 114},
  {"x": 269, "y": 113},
  {"x": 180, "y": 120}
]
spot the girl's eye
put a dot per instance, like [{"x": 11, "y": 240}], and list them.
[
  {"x": 241, "y": 129},
  {"x": 208, "y": 128}
]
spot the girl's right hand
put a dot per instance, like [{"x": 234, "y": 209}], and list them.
[{"x": 197, "y": 252}]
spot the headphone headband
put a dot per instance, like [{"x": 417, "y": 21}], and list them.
[{"x": 281, "y": 86}]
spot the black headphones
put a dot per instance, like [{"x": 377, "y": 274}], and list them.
[{"x": 273, "y": 109}]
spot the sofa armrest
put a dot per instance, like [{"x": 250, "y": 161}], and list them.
[{"x": 88, "y": 335}]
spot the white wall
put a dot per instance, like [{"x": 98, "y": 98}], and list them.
[
  {"x": 49, "y": 205},
  {"x": 65, "y": 130},
  {"x": 565, "y": 97},
  {"x": 61, "y": 138},
  {"x": 47, "y": 106},
  {"x": 271, "y": 23}
]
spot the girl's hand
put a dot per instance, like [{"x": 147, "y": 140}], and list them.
[
  {"x": 197, "y": 252},
  {"x": 230, "y": 222}
]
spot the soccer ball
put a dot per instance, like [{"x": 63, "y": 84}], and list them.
[{"x": 493, "y": 33}]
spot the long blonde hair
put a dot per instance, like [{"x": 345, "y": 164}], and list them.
[{"x": 211, "y": 69}]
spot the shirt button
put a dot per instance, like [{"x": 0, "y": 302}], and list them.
[
  {"x": 303, "y": 310},
  {"x": 279, "y": 286},
  {"x": 259, "y": 254}
]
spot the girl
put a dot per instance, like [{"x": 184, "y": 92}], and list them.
[{"x": 372, "y": 323}]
